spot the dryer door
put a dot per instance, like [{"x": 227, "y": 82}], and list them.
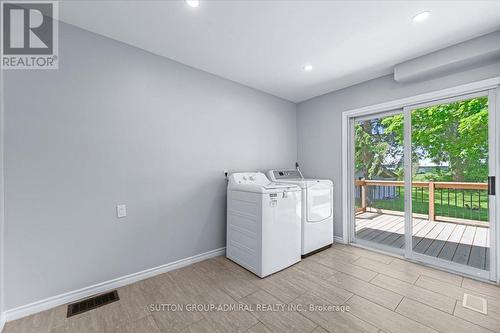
[{"x": 319, "y": 202}]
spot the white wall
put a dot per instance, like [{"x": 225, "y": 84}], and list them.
[
  {"x": 320, "y": 129},
  {"x": 118, "y": 125}
]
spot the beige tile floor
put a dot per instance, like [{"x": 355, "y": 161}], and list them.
[{"x": 384, "y": 294}]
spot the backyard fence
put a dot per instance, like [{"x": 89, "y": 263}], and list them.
[{"x": 446, "y": 201}]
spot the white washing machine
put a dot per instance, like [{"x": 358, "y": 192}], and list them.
[
  {"x": 263, "y": 223},
  {"x": 317, "y": 209}
]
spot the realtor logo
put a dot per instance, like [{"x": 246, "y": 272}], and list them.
[{"x": 29, "y": 35}]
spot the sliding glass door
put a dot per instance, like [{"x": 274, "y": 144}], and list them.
[
  {"x": 448, "y": 166},
  {"x": 422, "y": 182},
  {"x": 379, "y": 181}
]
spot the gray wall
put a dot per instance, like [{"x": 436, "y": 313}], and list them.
[
  {"x": 2, "y": 210},
  {"x": 319, "y": 120},
  {"x": 118, "y": 125}
]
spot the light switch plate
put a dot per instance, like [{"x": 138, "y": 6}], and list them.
[{"x": 121, "y": 211}]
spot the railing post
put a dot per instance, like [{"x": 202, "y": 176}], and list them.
[
  {"x": 363, "y": 196},
  {"x": 432, "y": 214}
]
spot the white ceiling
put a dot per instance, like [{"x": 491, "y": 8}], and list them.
[{"x": 264, "y": 44}]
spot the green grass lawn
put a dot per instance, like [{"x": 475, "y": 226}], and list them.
[{"x": 458, "y": 208}]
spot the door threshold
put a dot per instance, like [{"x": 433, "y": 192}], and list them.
[{"x": 381, "y": 251}]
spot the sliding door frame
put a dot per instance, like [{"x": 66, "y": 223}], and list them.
[
  {"x": 446, "y": 264},
  {"x": 493, "y": 86}
]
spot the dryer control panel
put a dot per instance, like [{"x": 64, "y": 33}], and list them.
[{"x": 286, "y": 174}]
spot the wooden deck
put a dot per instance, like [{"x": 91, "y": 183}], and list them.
[{"x": 464, "y": 244}]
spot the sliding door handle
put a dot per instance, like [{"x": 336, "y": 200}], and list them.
[{"x": 491, "y": 185}]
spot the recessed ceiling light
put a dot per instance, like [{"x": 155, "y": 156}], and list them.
[
  {"x": 193, "y": 3},
  {"x": 421, "y": 17},
  {"x": 308, "y": 68}
]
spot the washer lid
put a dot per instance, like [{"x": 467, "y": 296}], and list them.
[{"x": 293, "y": 176}]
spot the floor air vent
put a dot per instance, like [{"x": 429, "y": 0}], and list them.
[
  {"x": 92, "y": 303},
  {"x": 475, "y": 303}
]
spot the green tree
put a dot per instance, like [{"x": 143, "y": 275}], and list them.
[
  {"x": 455, "y": 133},
  {"x": 374, "y": 147}
]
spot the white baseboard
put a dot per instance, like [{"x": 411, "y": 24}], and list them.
[
  {"x": 2, "y": 321},
  {"x": 42, "y": 305},
  {"x": 338, "y": 239}
]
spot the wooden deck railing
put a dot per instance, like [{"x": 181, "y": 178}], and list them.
[{"x": 452, "y": 190}]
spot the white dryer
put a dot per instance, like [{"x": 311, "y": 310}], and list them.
[
  {"x": 317, "y": 209},
  {"x": 263, "y": 223}
]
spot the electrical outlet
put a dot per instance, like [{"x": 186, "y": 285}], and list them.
[{"x": 121, "y": 211}]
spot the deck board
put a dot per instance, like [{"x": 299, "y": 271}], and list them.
[
  {"x": 451, "y": 245},
  {"x": 366, "y": 232},
  {"x": 468, "y": 245},
  {"x": 399, "y": 233},
  {"x": 463, "y": 250},
  {"x": 396, "y": 226},
  {"x": 426, "y": 241},
  {"x": 438, "y": 243},
  {"x": 478, "y": 251},
  {"x": 384, "y": 231}
]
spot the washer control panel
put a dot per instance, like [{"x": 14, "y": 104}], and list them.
[{"x": 250, "y": 178}]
